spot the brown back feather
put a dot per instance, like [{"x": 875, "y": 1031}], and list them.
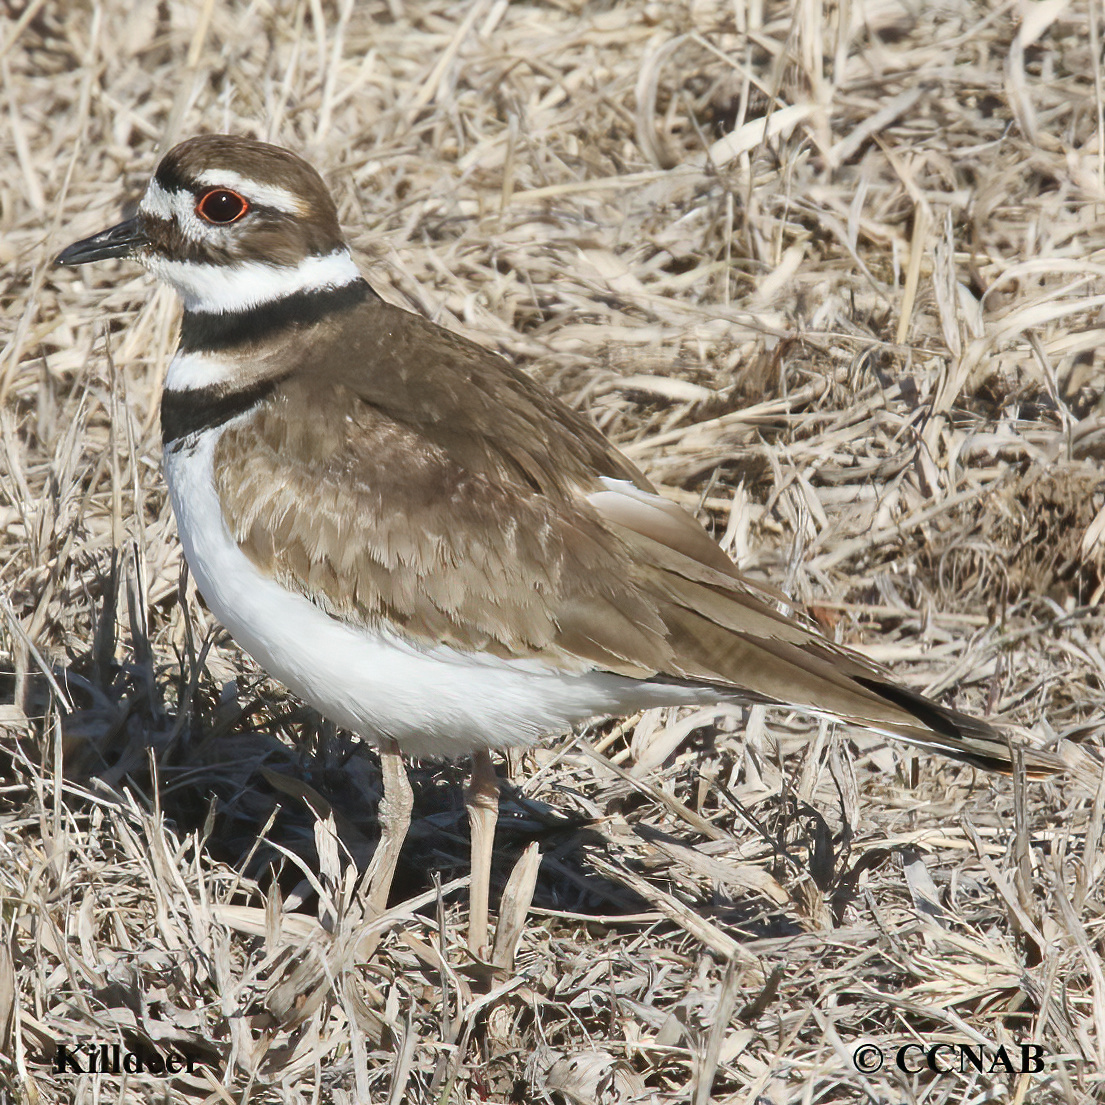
[{"x": 460, "y": 502}]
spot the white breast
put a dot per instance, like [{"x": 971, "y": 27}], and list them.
[{"x": 433, "y": 701}]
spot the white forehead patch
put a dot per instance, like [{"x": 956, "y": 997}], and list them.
[
  {"x": 264, "y": 195},
  {"x": 178, "y": 207},
  {"x": 164, "y": 205}
]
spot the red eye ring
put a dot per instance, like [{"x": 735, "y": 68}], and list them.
[{"x": 221, "y": 206}]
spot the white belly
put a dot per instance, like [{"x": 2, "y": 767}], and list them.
[{"x": 432, "y": 701}]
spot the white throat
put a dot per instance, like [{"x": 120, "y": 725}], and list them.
[{"x": 225, "y": 289}]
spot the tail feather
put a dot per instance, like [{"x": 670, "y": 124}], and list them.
[
  {"x": 827, "y": 679},
  {"x": 960, "y": 736},
  {"x": 712, "y": 628}
]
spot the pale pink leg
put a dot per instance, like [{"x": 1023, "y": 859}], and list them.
[
  {"x": 395, "y": 819},
  {"x": 482, "y": 800}
]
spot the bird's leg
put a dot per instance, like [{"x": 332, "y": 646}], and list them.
[
  {"x": 482, "y": 800},
  {"x": 394, "y": 818}
]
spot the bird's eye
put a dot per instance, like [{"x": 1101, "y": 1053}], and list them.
[{"x": 221, "y": 206}]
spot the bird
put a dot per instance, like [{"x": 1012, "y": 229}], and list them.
[{"x": 423, "y": 543}]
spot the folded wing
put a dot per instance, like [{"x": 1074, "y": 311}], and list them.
[{"x": 523, "y": 533}]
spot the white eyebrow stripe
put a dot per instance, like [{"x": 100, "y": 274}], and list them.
[{"x": 264, "y": 195}]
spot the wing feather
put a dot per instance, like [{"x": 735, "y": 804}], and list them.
[{"x": 523, "y": 533}]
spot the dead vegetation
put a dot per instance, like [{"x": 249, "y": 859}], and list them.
[{"x": 835, "y": 277}]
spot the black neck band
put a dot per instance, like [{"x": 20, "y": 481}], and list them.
[
  {"x": 207, "y": 332},
  {"x": 189, "y": 411}
]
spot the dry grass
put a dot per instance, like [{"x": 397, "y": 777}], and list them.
[{"x": 835, "y": 276}]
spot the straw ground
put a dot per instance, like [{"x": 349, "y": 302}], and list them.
[{"x": 834, "y": 276}]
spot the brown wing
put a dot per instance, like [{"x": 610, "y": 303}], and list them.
[
  {"x": 726, "y": 632},
  {"x": 518, "y": 530},
  {"x": 376, "y": 522},
  {"x": 486, "y": 416}
]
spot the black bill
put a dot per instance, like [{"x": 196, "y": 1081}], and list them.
[{"x": 120, "y": 241}]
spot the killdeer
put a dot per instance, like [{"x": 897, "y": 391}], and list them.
[{"x": 420, "y": 541}]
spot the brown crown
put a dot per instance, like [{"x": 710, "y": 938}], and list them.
[{"x": 272, "y": 235}]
